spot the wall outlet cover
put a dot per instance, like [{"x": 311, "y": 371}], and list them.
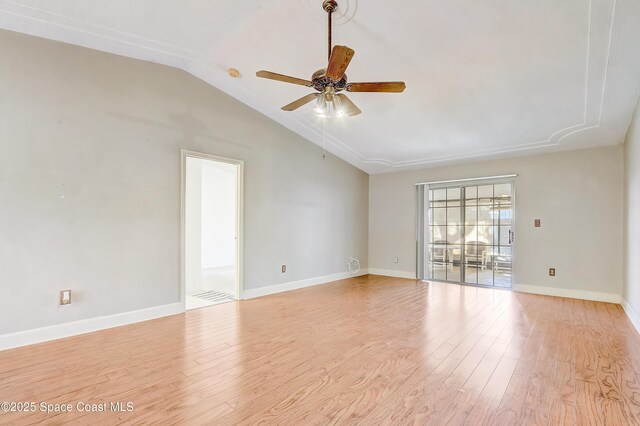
[
  {"x": 284, "y": 268},
  {"x": 552, "y": 272}
]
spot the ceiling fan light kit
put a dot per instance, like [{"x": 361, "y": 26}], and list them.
[{"x": 332, "y": 80}]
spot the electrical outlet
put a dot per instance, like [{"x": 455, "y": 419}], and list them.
[
  {"x": 552, "y": 272},
  {"x": 65, "y": 297},
  {"x": 395, "y": 260},
  {"x": 536, "y": 223},
  {"x": 284, "y": 268}
]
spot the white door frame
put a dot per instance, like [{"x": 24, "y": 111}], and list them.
[{"x": 239, "y": 217}]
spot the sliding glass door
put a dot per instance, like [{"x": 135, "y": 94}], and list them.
[
  {"x": 445, "y": 234},
  {"x": 466, "y": 233}
]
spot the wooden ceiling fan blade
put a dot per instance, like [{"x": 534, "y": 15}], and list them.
[
  {"x": 348, "y": 107},
  {"x": 387, "y": 87},
  {"x": 300, "y": 102},
  {"x": 339, "y": 61},
  {"x": 284, "y": 78}
]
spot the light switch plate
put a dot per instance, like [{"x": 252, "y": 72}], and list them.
[{"x": 65, "y": 297}]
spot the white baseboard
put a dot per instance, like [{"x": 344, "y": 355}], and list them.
[
  {"x": 570, "y": 293},
  {"x": 58, "y": 331},
  {"x": 635, "y": 320},
  {"x": 533, "y": 289},
  {"x": 68, "y": 329},
  {"x": 393, "y": 273},
  {"x": 250, "y": 293}
]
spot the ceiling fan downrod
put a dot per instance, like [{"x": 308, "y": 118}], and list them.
[{"x": 329, "y": 6}]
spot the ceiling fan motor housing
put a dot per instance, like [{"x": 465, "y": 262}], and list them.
[{"x": 320, "y": 81}]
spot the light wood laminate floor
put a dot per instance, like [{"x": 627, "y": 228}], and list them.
[{"x": 368, "y": 350}]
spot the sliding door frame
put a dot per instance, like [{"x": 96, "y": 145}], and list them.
[{"x": 423, "y": 228}]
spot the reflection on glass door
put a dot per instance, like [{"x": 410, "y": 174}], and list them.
[{"x": 469, "y": 234}]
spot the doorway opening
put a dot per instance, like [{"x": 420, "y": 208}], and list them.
[
  {"x": 211, "y": 231},
  {"x": 466, "y": 232}
]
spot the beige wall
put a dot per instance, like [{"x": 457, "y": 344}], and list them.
[
  {"x": 632, "y": 215},
  {"x": 90, "y": 185},
  {"x": 577, "y": 195}
]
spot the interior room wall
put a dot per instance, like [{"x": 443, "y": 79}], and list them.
[
  {"x": 578, "y": 195},
  {"x": 631, "y": 291},
  {"x": 90, "y": 185}
]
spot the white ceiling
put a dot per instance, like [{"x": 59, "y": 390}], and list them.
[{"x": 485, "y": 78}]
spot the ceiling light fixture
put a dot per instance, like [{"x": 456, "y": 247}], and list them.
[{"x": 328, "y": 105}]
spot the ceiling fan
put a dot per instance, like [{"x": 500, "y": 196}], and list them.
[{"x": 330, "y": 81}]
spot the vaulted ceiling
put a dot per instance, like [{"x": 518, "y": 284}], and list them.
[{"x": 485, "y": 78}]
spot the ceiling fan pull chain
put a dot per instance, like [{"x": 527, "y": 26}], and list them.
[{"x": 324, "y": 138}]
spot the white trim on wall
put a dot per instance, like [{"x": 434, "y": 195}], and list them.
[
  {"x": 68, "y": 329},
  {"x": 633, "y": 317},
  {"x": 393, "y": 273},
  {"x": 251, "y": 293},
  {"x": 522, "y": 288},
  {"x": 59, "y": 331},
  {"x": 569, "y": 293}
]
